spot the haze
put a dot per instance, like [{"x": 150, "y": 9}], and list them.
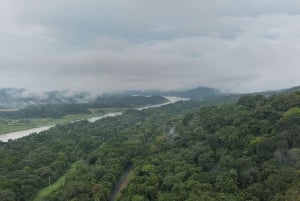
[{"x": 98, "y": 46}]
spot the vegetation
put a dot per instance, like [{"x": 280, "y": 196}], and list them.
[
  {"x": 21, "y": 98},
  {"x": 52, "y": 187},
  {"x": 11, "y": 125},
  {"x": 60, "y": 110},
  {"x": 196, "y": 93},
  {"x": 249, "y": 150},
  {"x": 46, "y": 111},
  {"x": 15, "y": 120}
]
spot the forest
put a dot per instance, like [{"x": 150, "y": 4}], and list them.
[
  {"x": 193, "y": 150},
  {"x": 60, "y": 110},
  {"x": 12, "y": 120}
]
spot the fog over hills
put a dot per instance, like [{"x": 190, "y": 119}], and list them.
[
  {"x": 19, "y": 98},
  {"x": 141, "y": 100},
  {"x": 197, "y": 93}
]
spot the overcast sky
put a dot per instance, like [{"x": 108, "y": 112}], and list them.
[{"x": 102, "y": 45}]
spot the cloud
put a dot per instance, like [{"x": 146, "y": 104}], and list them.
[{"x": 103, "y": 45}]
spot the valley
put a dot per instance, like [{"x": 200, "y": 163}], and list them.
[
  {"x": 12, "y": 125},
  {"x": 13, "y": 130},
  {"x": 135, "y": 100},
  {"x": 213, "y": 149}
]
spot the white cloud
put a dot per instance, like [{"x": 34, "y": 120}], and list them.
[{"x": 104, "y": 45}]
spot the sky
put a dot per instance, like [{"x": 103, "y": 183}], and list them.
[{"x": 104, "y": 45}]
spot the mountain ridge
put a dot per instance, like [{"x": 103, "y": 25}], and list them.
[{"x": 14, "y": 98}]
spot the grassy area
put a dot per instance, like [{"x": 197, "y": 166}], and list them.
[
  {"x": 11, "y": 125},
  {"x": 48, "y": 190}
]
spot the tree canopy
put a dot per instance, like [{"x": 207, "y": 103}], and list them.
[{"x": 249, "y": 150}]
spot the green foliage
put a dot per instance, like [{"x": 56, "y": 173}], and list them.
[
  {"x": 52, "y": 187},
  {"x": 47, "y": 111},
  {"x": 243, "y": 151},
  {"x": 257, "y": 140},
  {"x": 60, "y": 110},
  {"x": 292, "y": 112}
]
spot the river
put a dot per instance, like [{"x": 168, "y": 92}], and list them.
[{"x": 23, "y": 133}]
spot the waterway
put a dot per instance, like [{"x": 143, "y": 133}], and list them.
[{"x": 23, "y": 133}]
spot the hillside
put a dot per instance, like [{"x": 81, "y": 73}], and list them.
[
  {"x": 62, "y": 109},
  {"x": 249, "y": 150},
  {"x": 21, "y": 98},
  {"x": 196, "y": 93},
  {"x": 11, "y": 98},
  {"x": 49, "y": 114}
]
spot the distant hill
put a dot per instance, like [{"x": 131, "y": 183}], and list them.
[
  {"x": 125, "y": 101},
  {"x": 197, "y": 93},
  {"x": 200, "y": 92},
  {"x": 62, "y": 109},
  {"x": 20, "y": 98},
  {"x": 276, "y": 92}
]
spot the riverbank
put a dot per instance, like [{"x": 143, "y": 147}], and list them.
[
  {"x": 117, "y": 112},
  {"x": 11, "y": 125}
]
